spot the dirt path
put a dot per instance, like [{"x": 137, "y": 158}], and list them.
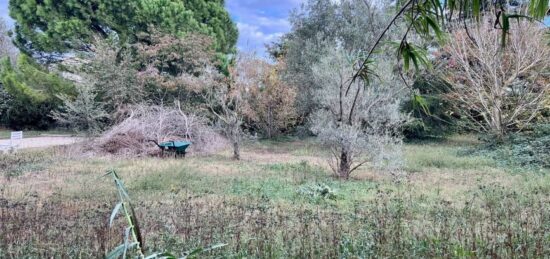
[{"x": 40, "y": 142}]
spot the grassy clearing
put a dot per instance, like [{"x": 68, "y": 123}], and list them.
[
  {"x": 279, "y": 202},
  {"x": 5, "y": 133}
]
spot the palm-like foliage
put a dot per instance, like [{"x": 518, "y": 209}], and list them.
[{"x": 429, "y": 19}]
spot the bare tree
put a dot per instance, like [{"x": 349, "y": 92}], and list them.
[
  {"x": 227, "y": 96},
  {"x": 358, "y": 128},
  {"x": 498, "y": 90}
]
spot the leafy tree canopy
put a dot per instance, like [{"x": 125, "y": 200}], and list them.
[
  {"x": 31, "y": 92},
  {"x": 51, "y": 26}
]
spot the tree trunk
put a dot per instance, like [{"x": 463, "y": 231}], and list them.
[
  {"x": 498, "y": 125},
  {"x": 236, "y": 150},
  {"x": 269, "y": 123},
  {"x": 345, "y": 166}
]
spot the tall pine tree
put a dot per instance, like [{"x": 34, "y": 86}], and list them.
[{"x": 60, "y": 26}]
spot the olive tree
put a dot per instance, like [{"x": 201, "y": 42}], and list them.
[
  {"x": 358, "y": 128},
  {"x": 318, "y": 25}
]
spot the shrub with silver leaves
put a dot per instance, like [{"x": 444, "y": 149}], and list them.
[{"x": 361, "y": 125}]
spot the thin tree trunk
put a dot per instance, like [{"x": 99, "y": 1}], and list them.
[
  {"x": 234, "y": 134},
  {"x": 236, "y": 150},
  {"x": 345, "y": 166}
]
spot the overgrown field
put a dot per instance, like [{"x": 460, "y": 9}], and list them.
[{"x": 280, "y": 201}]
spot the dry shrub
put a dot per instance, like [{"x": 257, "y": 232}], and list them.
[{"x": 133, "y": 135}]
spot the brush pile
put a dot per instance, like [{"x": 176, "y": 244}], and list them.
[{"x": 142, "y": 125}]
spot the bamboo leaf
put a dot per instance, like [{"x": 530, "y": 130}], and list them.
[
  {"x": 194, "y": 252},
  {"x": 163, "y": 255},
  {"x": 114, "y": 213},
  {"x": 414, "y": 60},
  {"x": 420, "y": 101},
  {"x": 505, "y": 29},
  {"x": 126, "y": 241},
  {"x": 216, "y": 246},
  {"x": 435, "y": 27},
  {"x": 115, "y": 253},
  {"x": 538, "y": 8},
  {"x": 119, "y": 251},
  {"x": 406, "y": 58},
  {"x": 476, "y": 8}
]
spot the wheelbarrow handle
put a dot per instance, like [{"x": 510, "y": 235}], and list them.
[{"x": 154, "y": 141}]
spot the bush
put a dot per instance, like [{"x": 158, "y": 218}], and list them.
[
  {"x": 83, "y": 113},
  {"x": 528, "y": 149},
  {"x": 435, "y": 119},
  {"x": 32, "y": 92},
  {"x": 317, "y": 192}
]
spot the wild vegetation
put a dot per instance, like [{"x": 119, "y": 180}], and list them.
[
  {"x": 414, "y": 128},
  {"x": 278, "y": 201}
]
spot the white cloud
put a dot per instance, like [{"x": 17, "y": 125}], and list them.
[
  {"x": 252, "y": 38},
  {"x": 261, "y": 22}
]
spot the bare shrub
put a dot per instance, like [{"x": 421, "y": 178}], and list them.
[
  {"x": 498, "y": 90},
  {"x": 133, "y": 135}
]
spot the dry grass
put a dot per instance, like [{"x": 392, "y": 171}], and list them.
[{"x": 257, "y": 198}]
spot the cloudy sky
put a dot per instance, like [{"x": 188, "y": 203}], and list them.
[
  {"x": 4, "y": 11},
  {"x": 259, "y": 21}
]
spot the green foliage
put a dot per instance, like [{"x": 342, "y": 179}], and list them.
[
  {"x": 317, "y": 27},
  {"x": 428, "y": 19},
  {"x": 63, "y": 26},
  {"x": 170, "y": 67},
  {"x": 434, "y": 116},
  {"x": 528, "y": 149},
  {"x": 317, "y": 192},
  {"x": 112, "y": 74},
  {"x": 83, "y": 112},
  {"x": 32, "y": 93}
]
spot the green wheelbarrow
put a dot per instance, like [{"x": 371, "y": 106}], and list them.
[{"x": 177, "y": 147}]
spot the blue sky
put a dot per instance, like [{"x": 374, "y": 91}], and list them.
[
  {"x": 259, "y": 21},
  {"x": 4, "y": 11}
]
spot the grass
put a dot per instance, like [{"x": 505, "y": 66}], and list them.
[
  {"x": 273, "y": 204},
  {"x": 5, "y": 133}
]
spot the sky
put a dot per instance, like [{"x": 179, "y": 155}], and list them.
[
  {"x": 4, "y": 11},
  {"x": 259, "y": 21}
]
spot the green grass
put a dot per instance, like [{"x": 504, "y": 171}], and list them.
[
  {"x": 272, "y": 204},
  {"x": 5, "y": 133}
]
